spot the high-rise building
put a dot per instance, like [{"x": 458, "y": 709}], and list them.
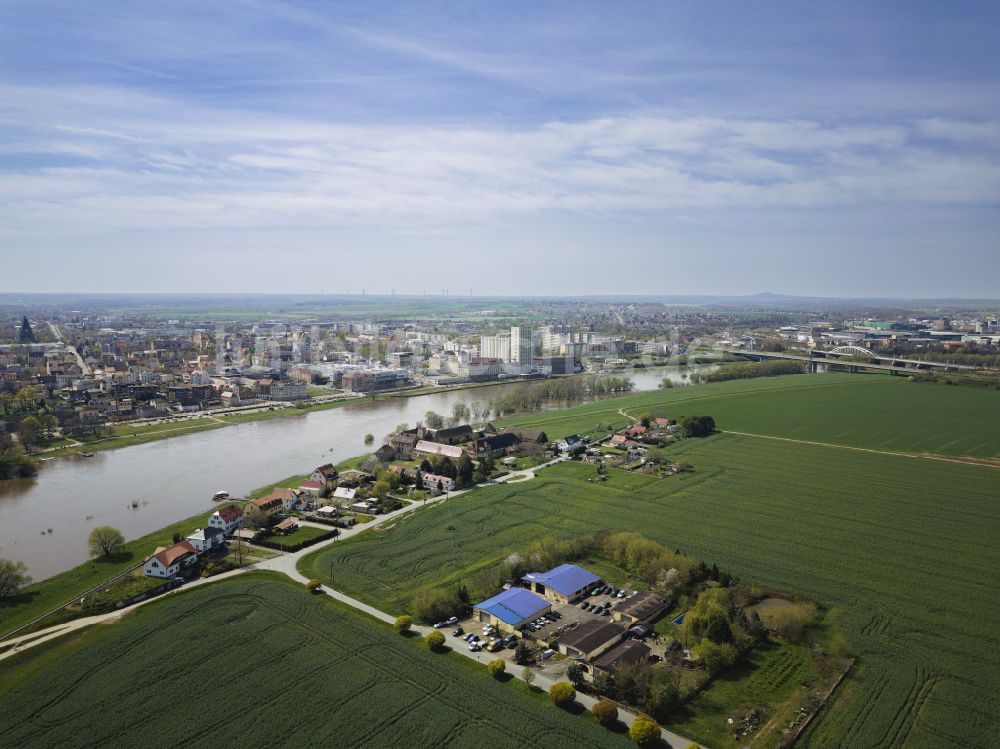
[
  {"x": 522, "y": 344},
  {"x": 495, "y": 347}
]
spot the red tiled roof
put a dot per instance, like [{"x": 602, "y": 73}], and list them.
[
  {"x": 230, "y": 513},
  {"x": 308, "y": 484},
  {"x": 171, "y": 554}
]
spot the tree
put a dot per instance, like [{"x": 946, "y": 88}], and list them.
[
  {"x": 29, "y": 430},
  {"x": 403, "y": 623},
  {"x": 644, "y": 730},
  {"x": 717, "y": 629},
  {"x": 562, "y": 693},
  {"x": 528, "y": 674},
  {"x": 433, "y": 420},
  {"x": 714, "y": 657},
  {"x": 575, "y": 672},
  {"x": 369, "y": 438},
  {"x": 664, "y": 697},
  {"x": 433, "y": 604},
  {"x": 104, "y": 541},
  {"x": 12, "y": 577},
  {"x": 497, "y": 668},
  {"x": 605, "y": 712},
  {"x": 434, "y": 640},
  {"x": 521, "y": 653},
  {"x": 381, "y": 488},
  {"x": 460, "y": 412},
  {"x": 464, "y": 471},
  {"x": 697, "y": 426}
]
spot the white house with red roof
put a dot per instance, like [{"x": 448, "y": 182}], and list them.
[
  {"x": 169, "y": 561},
  {"x": 227, "y": 519}
]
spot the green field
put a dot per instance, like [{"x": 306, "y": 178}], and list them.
[
  {"x": 871, "y": 411},
  {"x": 903, "y": 550},
  {"x": 310, "y": 672}
]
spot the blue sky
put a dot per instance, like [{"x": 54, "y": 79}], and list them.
[{"x": 574, "y": 148}]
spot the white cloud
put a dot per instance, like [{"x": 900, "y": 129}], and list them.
[{"x": 159, "y": 164}]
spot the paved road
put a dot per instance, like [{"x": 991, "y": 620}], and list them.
[{"x": 287, "y": 565}]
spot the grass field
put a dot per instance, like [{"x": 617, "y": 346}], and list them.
[
  {"x": 903, "y": 551},
  {"x": 311, "y": 673},
  {"x": 871, "y": 411}
]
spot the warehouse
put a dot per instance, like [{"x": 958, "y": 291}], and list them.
[
  {"x": 511, "y": 609},
  {"x": 562, "y": 584}
]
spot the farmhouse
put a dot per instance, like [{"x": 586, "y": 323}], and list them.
[
  {"x": 227, "y": 519},
  {"x": 167, "y": 562},
  {"x": 433, "y": 481},
  {"x": 641, "y": 607},
  {"x": 206, "y": 539},
  {"x": 453, "y": 435},
  {"x": 494, "y": 445},
  {"x": 511, "y": 609},
  {"x": 528, "y": 435},
  {"x": 278, "y": 499},
  {"x": 562, "y": 584},
  {"x": 403, "y": 444},
  {"x": 618, "y": 440},
  {"x": 436, "y": 448},
  {"x": 591, "y": 639},
  {"x": 384, "y": 454}
]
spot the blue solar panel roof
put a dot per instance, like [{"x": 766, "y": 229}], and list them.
[
  {"x": 514, "y": 606},
  {"x": 565, "y": 579}
]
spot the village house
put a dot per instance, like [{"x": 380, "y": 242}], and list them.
[
  {"x": 268, "y": 505},
  {"x": 313, "y": 488},
  {"x": 206, "y": 539},
  {"x": 453, "y": 435},
  {"x": 434, "y": 482},
  {"x": 227, "y": 519},
  {"x": 324, "y": 474},
  {"x": 169, "y": 561}
]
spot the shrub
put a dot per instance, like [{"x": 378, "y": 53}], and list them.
[
  {"x": 562, "y": 693},
  {"x": 605, "y": 711},
  {"x": 403, "y": 623},
  {"x": 313, "y": 586},
  {"x": 644, "y": 730},
  {"x": 714, "y": 657},
  {"x": 497, "y": 668},
  {"x": 434, "y": 640},
  {"x": 433, "y": 604},
  {"x": 528, "y": 674}
]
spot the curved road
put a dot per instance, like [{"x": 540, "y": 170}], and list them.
[{"x": 287, "y": 565}]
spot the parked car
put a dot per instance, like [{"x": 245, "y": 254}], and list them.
[
  {"x": 584, "y": 605},
  {"x": 475, "y": 647},
  {"x": 440, "y": 624},
  {"x": 451, "y": 620},
  {"x": 458, "y": 632},
  {"x": 510, "y": 640},
  {"x": 494, "y": 646},
  {"x": 546, "y": 654}
]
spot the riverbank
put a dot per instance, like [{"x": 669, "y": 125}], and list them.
[{"x": 125, "y": 435}]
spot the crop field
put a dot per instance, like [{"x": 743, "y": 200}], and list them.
[
  {"x": 871, "y": 411},
  {"x": 311, "y": 673},
  {"x": 901, "y": 549}
]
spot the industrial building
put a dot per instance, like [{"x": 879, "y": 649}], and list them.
[
  {"x": 510, "y": 610},
  {"x": 562, "y": 584}
]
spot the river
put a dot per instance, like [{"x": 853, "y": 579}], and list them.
[{"x": 44, "y": 521}]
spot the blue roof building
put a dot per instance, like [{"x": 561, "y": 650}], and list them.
[
  {"x": 563, "y": 583},
  {"x": 512, "y": 608}
]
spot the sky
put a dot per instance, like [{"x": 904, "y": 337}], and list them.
[{"x": 836, "y": 149}]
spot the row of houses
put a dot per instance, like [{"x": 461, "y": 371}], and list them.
[
  {"x": 171, "y": 561},
  {"x": 454, "y": 442}
]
